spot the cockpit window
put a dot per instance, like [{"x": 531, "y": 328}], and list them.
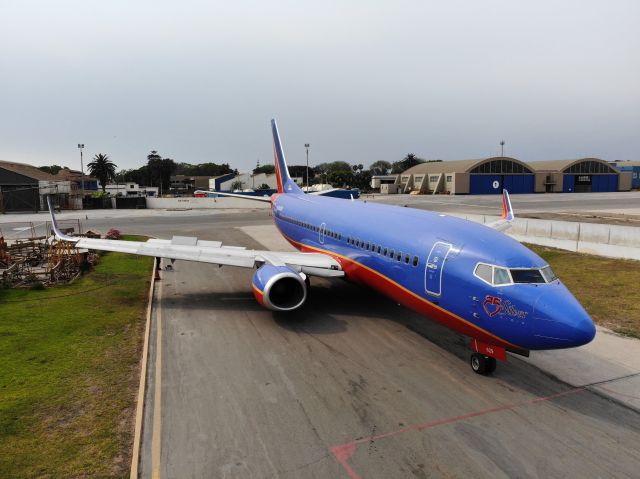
[
  {"x": 527, "y": 276},
  {"x": 501, "y": 276},
  {"x": 484, "y": 272},
  {"x": 548, "y": 274}
]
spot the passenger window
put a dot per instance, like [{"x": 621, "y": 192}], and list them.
[
  {"x": 406, "y": 258},
  {"x": 357, "y": 243},
  {"x": 392, "y": 254},
  {"x": 399, "y": 257},
  {"x": 379, "y": 248},
  {"x": 367, "y": 247},
  {"x": 501, "y": 276},
  {"x": 415, "y": 261},
  {"x": 384, "y": 253},
  {"x": 484, "y": 272}
]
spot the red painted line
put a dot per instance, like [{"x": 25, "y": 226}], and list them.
[{"x": 344, "y": 452}]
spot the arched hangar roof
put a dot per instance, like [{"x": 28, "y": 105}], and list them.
[
  {"x": 496, "y": 164},
  {"x": 581, "y": 165}
]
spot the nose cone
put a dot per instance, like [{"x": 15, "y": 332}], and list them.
[{"x": 560, "y": 321}]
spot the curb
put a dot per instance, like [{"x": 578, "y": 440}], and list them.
[{"x": 137, "y": 435}]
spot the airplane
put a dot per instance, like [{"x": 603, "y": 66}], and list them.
[{"x": 467, "y": 276}]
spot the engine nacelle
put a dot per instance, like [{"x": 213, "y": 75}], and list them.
[{"x": 279, "y": 288}]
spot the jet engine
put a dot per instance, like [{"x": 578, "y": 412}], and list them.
[{"x": 279, "y": 288}]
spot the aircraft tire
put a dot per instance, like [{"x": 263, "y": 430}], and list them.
[
  {"x": 491, "y": 365},
  {"x": 479, "y": 363}
]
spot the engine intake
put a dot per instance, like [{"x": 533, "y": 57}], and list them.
[{"x": 279, "y": 288}]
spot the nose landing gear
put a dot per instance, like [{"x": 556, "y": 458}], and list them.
[
  {"x": 483, "y": 359},
  {"x": 481, "y": 364}
]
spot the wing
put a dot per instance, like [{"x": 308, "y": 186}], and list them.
[
  {"x": 192, "y": 249},
  {"x": 507, "y": 214},
  {"x": 264, "y": 199}
]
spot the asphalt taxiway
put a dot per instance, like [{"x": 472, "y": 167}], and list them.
[{"x": 350, "y": 386}]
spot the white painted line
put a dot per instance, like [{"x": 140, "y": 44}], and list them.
[
  {"x": 157, "y": 400},
  {"x": 137, "y": 435}
]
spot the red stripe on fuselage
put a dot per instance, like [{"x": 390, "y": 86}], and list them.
[
  {"x": 358, "y": 272},
  {"x": 278, "y": 173}
]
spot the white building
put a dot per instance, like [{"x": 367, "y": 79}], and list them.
[
  {"x": 130, "y": 189},
  {"x": 252, "y": 182}
]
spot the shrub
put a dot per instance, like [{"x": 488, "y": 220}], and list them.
[{"x": 113, "y": 234}]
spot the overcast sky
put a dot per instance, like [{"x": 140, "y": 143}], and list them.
[{"x": 360, "y": 80}]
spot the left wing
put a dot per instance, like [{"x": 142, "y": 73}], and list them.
[
  {"x": 192, "y": 249},
  {"x": 507, "y": 214}
]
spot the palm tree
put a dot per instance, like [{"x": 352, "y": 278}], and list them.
[{"x": 102, "y": 168}]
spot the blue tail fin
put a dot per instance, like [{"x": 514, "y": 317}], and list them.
[{"x": 285, "y": 183}]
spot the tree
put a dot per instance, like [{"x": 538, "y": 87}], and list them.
[
  {"x": 263, "y": 186},
  {"x": 267, "y": 169},
  {"x": 203, "y": 169},
  {"x": 52, "y": 170},
  {"x": 102, "y": 168},
  {"x": 300, "y": 171},
  {"x": 406, "y": 163},
  {"x": 236, "y": 185},
  {"x": 160, "y": 169},
  {"x": 380, "y": 167}
]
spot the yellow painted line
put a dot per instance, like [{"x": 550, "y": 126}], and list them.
[
  {"x": 137, "y": 435},
  {"x": 157, "y": 400}
]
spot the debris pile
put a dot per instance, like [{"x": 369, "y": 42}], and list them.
[{"x": 29, "y": 259}]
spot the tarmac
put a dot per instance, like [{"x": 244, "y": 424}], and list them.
[{"x": 354, "y": 386}]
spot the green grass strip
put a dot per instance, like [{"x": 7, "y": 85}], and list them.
[{"x": 69, "y": 359}]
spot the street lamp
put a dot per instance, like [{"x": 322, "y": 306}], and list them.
[
  {"x": 502, "y": 148},
  {"x": 306, "y": 145},
  {"x": 80, "y": 147}
]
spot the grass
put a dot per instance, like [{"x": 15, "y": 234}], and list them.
[
  {"x": 606, "y": 287},
  {"x": 69, "y": 359}
]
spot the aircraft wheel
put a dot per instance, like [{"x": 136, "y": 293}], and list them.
[
  {"x": 479, "y": 363},
  {"x": 491, "y": 365}
]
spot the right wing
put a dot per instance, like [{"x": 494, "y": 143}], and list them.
[
  {"x": 265, "y": 199},
  {"x": 192, "y": 249}
]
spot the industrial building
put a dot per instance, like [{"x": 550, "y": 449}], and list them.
[
  {"x": 631, "y": 166},
  {"x": 491, "y": 175}
]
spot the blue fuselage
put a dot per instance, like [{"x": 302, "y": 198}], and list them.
[{"x": 427, "y": 261}]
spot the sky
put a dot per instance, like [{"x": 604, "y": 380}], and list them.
[{"x": 361, "y": 81}]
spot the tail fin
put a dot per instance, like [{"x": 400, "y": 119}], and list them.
[{"x": 285, "y": 183}]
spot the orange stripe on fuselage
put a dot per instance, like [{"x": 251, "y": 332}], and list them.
[{"x": 369, "y": 276}]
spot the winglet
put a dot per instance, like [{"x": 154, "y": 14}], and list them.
[
  {"x": 507, "y": 210},
  {"x": 54, "y": 224}
]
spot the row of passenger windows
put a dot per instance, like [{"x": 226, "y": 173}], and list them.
[
  {"x": 383, "y": 250},
  {"x": 366, "y": 245},
  {"x": 309, "y": 226}
]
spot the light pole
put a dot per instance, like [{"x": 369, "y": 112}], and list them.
[
  {"x": 80, "y": 147},
  {"x": 502, "y": 148},
  {"x": 306, "y": 145}
]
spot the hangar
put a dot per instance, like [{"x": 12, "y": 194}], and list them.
[
  {"x": 585, "y": 175},
  {"x": 491, "y": 175},
  {"x": 476, "y": 177}
]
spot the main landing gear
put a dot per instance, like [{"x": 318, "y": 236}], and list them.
[{"x": 482, "y": 364}]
